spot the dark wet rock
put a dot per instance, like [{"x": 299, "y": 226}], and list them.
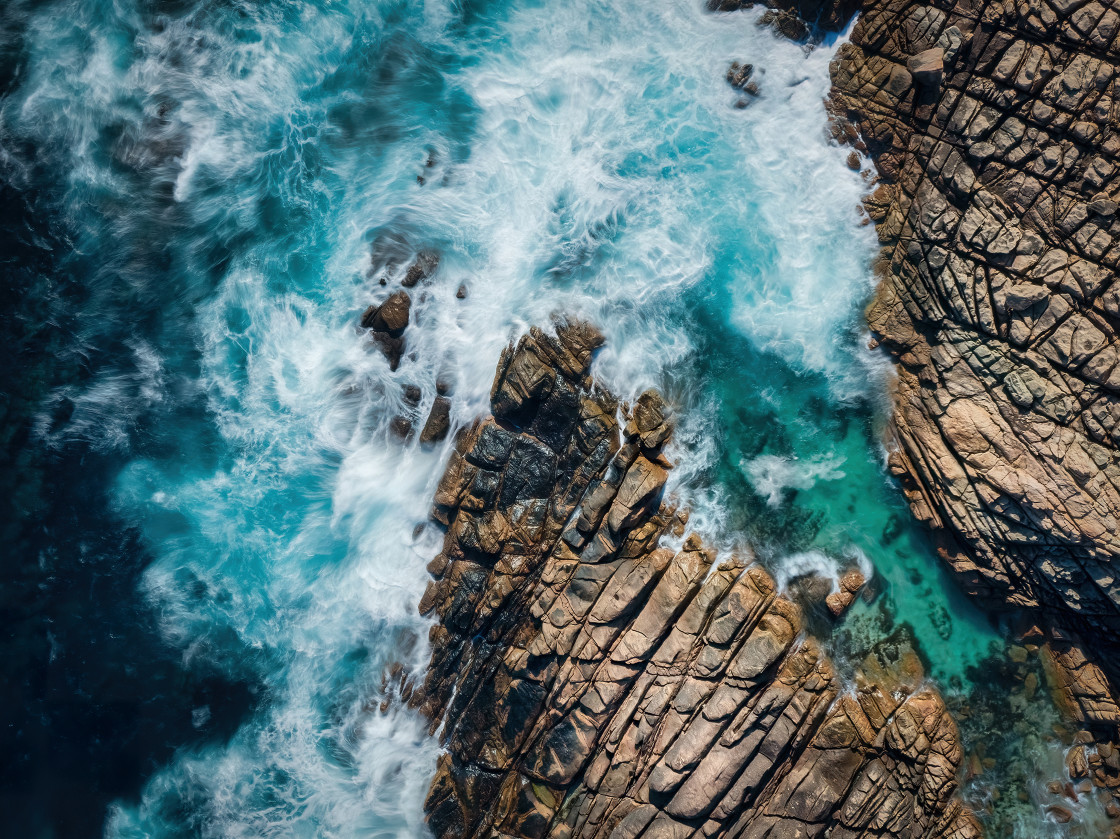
[
  {"x": 786, "y": 23},
  {"x": 424, "y": 267},
  {"x": 461, "y": 294},
  {"x": 827, "y": 15},
  {"x": 739, "y": 74},
  {"x": 589, "y": 682},
  {"x": 401, "y": 427},
  {"x": 392, "y": 348},
  {"x": 391, "y": 316},
  {"x": 388, "y": 322},
  {"x": 412, "y": 395},
  {"x": 439, "y": 421}
]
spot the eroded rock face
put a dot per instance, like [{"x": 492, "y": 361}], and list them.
[
  {"x": 994, "y": 126},
  {"x": 589, "y": 681}
]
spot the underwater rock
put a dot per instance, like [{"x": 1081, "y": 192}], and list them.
[{"x": 589, "y": 681}]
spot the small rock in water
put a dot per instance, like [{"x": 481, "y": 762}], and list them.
[
  {"x": 739, "y": 74},
  {"x": 854, "y": 163},
  {"x": 785, "y": 23},
  {"x": 850, "y": 584},
  {"x": 462, "y": 292},
  {"x": 1059, "y": 813},
  {"x": 401, "y": 427},
  {"x": 439, "y": 421},
  {"x": 425, "y": 265},
  {"x": 391, "y": 316},
  {"x": 388, "y": 322},
  {"x": 412, "y": 395}
]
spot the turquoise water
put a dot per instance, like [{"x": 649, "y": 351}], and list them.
[{"x": 232, "y": 179}]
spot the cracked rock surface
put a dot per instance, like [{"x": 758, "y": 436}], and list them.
[
  {"x": 994, "y": 126},
  {"x": 588, "y": 680}
]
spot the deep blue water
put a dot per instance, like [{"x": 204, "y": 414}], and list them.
[{"x": 213, "y": 541}]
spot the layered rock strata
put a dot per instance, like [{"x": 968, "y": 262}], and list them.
[
  {"x": 994, "y": 126},
  {"x": 589, "y": 680}
]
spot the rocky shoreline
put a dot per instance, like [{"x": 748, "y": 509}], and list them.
[
  {"x": 994, "y": 131},
  {"x": 588, "y": 680}
]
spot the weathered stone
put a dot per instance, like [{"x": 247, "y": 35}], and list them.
[
  {"x": 997, "y": 225},
  {"x": 927, "y": 67},
  {"x": 629, "y": 690},
  {"x": 424, "y": 267},
  {"x": 439, "y": 421},
  {"x": 391, "y": 316}
]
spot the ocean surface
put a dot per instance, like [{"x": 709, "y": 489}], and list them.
[{"x": 214, "y": 543}]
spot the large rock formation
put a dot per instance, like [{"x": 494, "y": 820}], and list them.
[
  {"x": 994, "y": 126},
  {"x": 589, "y": 680}
]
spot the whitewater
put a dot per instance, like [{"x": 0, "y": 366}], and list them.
[{"x": 236, "y": 179}]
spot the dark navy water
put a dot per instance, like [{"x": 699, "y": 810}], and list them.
[{"x": 212, "y": 539}]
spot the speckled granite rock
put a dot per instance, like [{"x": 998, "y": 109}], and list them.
[
  {"x": 590, "y": 681},
  {"x": 994, "y": 126}
]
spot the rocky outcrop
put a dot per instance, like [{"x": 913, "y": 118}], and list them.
[
  {"x": 994, "y": 126},
  {"x": 594, "y": 673},
  {"x": 794, "y": 18}
]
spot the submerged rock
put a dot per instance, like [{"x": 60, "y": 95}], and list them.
[{"x": 588, "y": 681}]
